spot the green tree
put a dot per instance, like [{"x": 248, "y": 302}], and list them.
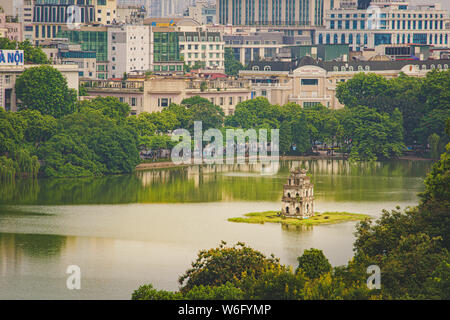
[
  {"x": 32, "y": 54},
  {"x": 313, "y": 263},
  {"x": 220, "y": 265},
  {"x": 232, "y": 66},
  {"x": 45, "y": 89}
]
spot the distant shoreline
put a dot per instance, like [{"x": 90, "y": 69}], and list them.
[{"x": 170, "y": 164}]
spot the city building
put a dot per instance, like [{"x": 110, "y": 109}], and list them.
[
  {"x": 91, "y": 39},
  {"x": 385, "y": 22},
  {"x": 10, "y": 28},
  {"x": 157, "y": 92},
  {"x": 165, "y": 56},
  {"x": 128, "y": 49},
  {"x": 105, "y": 11},
  {"x": 250, "y": 46},
  {"x": 61, "y": 52},
  {"x": 300, "y": 13},
  {"x": 202, "y": 47},
  {"x": 309, "y": 82},
  {"x": 50, "y": 16},
  {"x": 130, "y": 13},
  {"x": 203, "y": 12}
]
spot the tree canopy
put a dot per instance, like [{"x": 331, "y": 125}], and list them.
[{"x": 45, "y": 89}]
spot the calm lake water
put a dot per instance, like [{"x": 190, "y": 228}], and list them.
[{"x": 125, "y": 231}]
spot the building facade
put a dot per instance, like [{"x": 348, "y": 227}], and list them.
[
  {"x": 250, "y": 46},
  {"x": 385, "y": 22},
  {"x": 310, "y": 83},
  {"x": 105, "y": 11},
  {"x": 9, "y": 28},
  {"x": 50, "y": 16},
  {"x": 202, "y": 48},
  {"x": 91, "y": 39},
  {"x": 303, "y": 13},
  {"x": 203, "y": 12},
  {"x": 157, "y": 92},
  {"x": 128, "y": 49}
]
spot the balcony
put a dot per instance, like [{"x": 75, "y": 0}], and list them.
[{"x": 110, "y": 85}]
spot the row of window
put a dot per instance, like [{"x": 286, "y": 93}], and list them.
[
  {"x": 387, "y": 15},
  {"x": 196, "y": 39},
  {"x": 196, "y": 47}
]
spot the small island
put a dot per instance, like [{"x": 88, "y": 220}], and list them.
[
  {"x": 297, "y": 207},
  {"x": 317, "y": 219}
]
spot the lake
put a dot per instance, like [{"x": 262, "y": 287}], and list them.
[{"x": 147, "y": 227}]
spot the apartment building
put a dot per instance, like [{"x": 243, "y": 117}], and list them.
[
  {"x": 202, "y": 47},
  {"x": 310, "y": 82},
  {"x": 128, "y": 49},
  {"x": 385, "y": 22}
]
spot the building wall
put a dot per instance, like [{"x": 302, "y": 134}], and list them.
[
  {"x": 387, "y": 25},
  {"x": 309, "y": 85},
  {"x": 49, "y": 16},
  {"x": 272, "y": 12},
  {"x": 105, "y": 11},
  {"x": 204, "y": 47},
  {"x": 11, "y": 30},
  {"x": 128, "y": 49}
]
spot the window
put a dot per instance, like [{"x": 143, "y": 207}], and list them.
[
  {"x": 255, "y": 68},
  {"x": 230, "y": 101},
  {"x": 267, "y": 68},
  {"x": 309, "y": 82}
]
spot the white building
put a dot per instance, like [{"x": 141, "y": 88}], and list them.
[
  {"x": 202, "y": 46},
  {"x": 385, "y": 22},
  {"x": 128, "y": 49}
]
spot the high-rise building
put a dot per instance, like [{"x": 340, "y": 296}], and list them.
[
  {"x": 308, "y": 13},
  {"x": 49, "y": 16}
]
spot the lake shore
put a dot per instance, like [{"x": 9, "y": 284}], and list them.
[
  {"x": 169, "y": 164},
  {"x": 318, "y": 219}
]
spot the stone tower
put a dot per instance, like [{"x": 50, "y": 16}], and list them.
[{"x": 298, "y": 196}]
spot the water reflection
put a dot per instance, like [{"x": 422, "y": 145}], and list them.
[
  {"x": 147, "y": 227},
  {"x": 336, "y": 180}
]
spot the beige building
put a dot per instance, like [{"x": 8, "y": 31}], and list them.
[
  {"x": 156, "y": 93},
  {"x": 310, "y": 83},
  {"x": 9, "y": 74},
  {"x": 9, "y": 29},
  {"x": 105, "y": 11}
]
